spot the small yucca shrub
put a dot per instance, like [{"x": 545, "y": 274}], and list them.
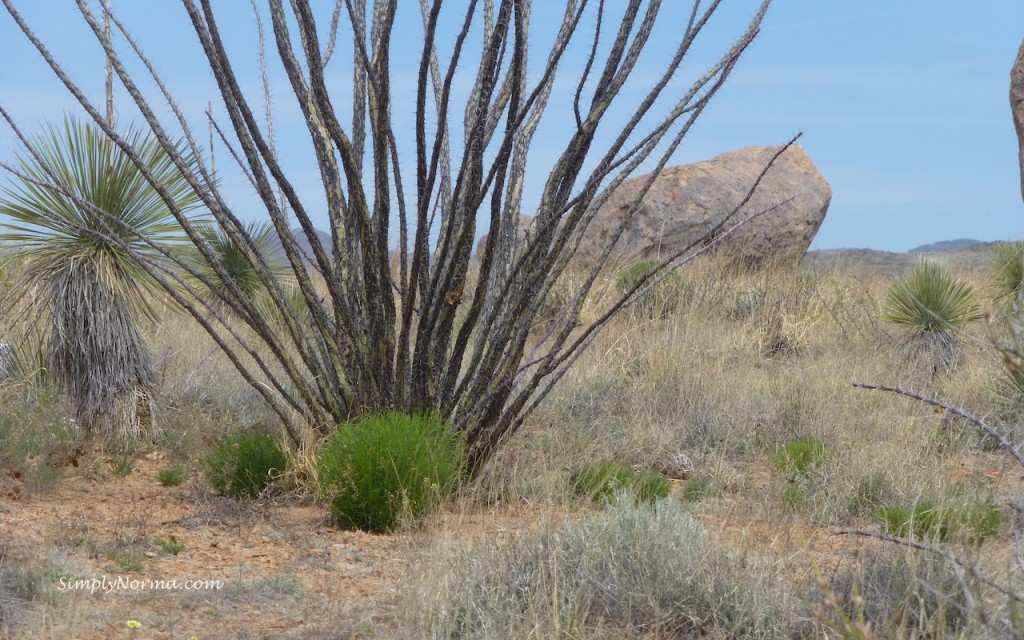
[
  {"x": 1006, "y": 272},
  {"x": 930, "y": 299},
  {"x": 933, "y": 304},
  {"x": 382, "y": 468},
  {"x": 244, "y": 464}
]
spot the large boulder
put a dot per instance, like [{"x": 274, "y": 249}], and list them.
[
  {"x": 686, "y": 202},
  {"x": 1017, "y": 106}
]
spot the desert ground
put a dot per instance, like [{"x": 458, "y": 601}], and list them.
[{"x": 728, "y": 371}]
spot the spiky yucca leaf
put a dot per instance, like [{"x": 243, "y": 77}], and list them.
[
  {"x": 930, "y": 300},
  {"x": 231, "y": 256},
  {"x": 81, "y": 247},
  {"x": 1007, "y": 271}
]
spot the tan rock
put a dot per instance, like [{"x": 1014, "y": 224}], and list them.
[{"x": 686, "y": 202}]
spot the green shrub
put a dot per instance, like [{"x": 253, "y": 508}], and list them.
[
  {"x": 386, "y": 466},
  {"x": 921, "y": 520},
  {"x": 606, "y": 479},
  {"x": 171, "y": 476},
  {"x": 171, "y": 546},
  {"x": 799, "y": 458},
  {"x": 979, "y": 522},
  {"x": 244, "y": 464},
  {"x": 694, "y": 489},
  {"x": 602, "y": 480},
  {"x": 972, "y": 524},
  {"x": 649, "y": 486}
]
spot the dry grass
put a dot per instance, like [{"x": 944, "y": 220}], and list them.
[{"x": 745, "y": 364}]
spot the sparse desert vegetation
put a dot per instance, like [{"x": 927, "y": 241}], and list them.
[{"x": 784, "y": 452}]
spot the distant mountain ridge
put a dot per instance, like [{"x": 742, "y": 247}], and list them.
[
  {"x": 946, "y": 245},
  {"x": 305, "y": 248}
]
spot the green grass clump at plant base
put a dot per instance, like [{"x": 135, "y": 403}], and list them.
[
  {"x": 388, "y": 466},
  {"x": 606, "y": 479},
  {"x": 244, "y": 465}
]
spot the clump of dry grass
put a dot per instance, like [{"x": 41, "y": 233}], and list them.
[{"x": 631, "y": 571}]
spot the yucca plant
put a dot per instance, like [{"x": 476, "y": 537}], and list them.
[
  {"x": 934, "y": 305},
  {"x": 80, "y": 246},
  {"x": 1007, "y": 272},
  {"x": 231, "y": 257}
]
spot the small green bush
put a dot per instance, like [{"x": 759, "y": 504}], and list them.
[
  {"x": 972, "y": 524},
  {"x": 694, "y": 489},
  {"x": 933, "y": 304},
  {"x": 799, "y": 458},
  {"x": 606, "y": 479},
  {"x": 386, "y": 466},
  {"x": 244, "y": 464},
  {"x": 171, "y": 546},
  {"x": 171, "y": 476}
]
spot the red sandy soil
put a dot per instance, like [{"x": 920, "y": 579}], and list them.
[{"x": 286, "y": 572}]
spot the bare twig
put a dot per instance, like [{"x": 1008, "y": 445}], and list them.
[
  {"x": 912, "y": 544},
  {"x": 988, "y": 429}
]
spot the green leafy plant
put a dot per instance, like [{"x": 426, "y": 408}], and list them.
[
  {"x": 801, "y": 457},
  {"x": 387, "y": 466},
  {"x": 606, "y": 479},
  {"x": 171, "y": 476},
  {"x": 930, "y": 299},
  {"x": 244, "y": 464}
]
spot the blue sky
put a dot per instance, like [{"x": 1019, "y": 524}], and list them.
[{"x": 903, "y": 106}]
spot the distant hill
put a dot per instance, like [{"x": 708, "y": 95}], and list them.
[
  {"x": 971, "y": 254},
  {"x": 305, "y": 248},
  {"x": 945, "y": 245}
]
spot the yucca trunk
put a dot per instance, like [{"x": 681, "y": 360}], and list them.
[{"x": 99, "y": 357}]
